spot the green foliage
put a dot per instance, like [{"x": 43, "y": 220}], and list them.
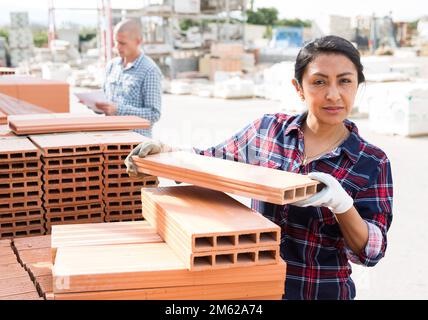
[
  {"x": 87, "y": 34},
  {"x": 185, "y": 24},
  {"x": 4, "y": 33},
  {"x": 263, "y": 16},
  {"x": 40, "y": 38},
  {"x": 293, "y": 23},
  {"x": 269, "y": 17}
]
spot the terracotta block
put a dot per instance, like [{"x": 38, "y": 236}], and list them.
[
  {"x": 20, "y": 185},
  {"x": 8, "y": 259},
  {"x": 21, "y": 204},
  {"x": 7, "y": 219},
  {"x": 31, "y": 243},
  {"x": 33, "y": 295},
  {"x": 6, "y": 225},
  {"x": 122, "y": 193},
  {"x": 14, "y": 167},
  {"x": 21, "y": 226},
  {"x": 73, "y": 198},
  {"x": 12, "y": 195},
  {"x": 123, "y": 184},
  {"x": 73, "y": 161},
  {"x": 39, "y": 269},
  {"x": 119, "y": 175},
  {"x": 44, "y": 285},
  {"x": 21, "y": 175},
  {"x": 124, "y": 213},
  {"x": 52, "y": 95},
  {"x": 115, "y": 158},
  {"x": 119, "y": 142},
  {"x": 120, "y": 203},
  {"x": 245, "y": 290},
  {"x": 5, "y": 243},
  {"x": 34, "y": 256},
  {"x": 66, "y": 144},
  {"x": 13, "y": 270},
  {"x": 63, "y": 191},
  {"x": 75, "y": 217},
  {"x": 118, "y": 233},
  {"x": 10, "y": 105},
  {"x": 207, "y": 220},
  {"x": 72, "y": 209},
  {"x": 143, "y": 266},
  {"x": 15, "y": 286},
  {"x": 74, "y": 124},
  {"x": 124, "y": 218},
  {"x": 67, "y": 173},
  {"x": 17, "y": 149},
  {"x": 262, "y": 183},
  {"x": 30, "y": 231},
  {"x": 61, "y": 183}
]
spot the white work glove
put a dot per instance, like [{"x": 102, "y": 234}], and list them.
[
  {"x": 332, "y": 195},
  {"x": 142, "y": 150}
]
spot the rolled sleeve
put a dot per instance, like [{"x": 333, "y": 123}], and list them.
[
  {"x": 373, "y": 247},
  {"x": 374, "y": 204}
]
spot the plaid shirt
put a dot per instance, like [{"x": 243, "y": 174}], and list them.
[
  {"x": 136, "y": 89},
  {"x": 311, "y": 242}
]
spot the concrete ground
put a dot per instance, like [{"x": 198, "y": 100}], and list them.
[{"x": 202, "y": 122}]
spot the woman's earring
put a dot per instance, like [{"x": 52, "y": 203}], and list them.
[{"x": 302, "y": 97}]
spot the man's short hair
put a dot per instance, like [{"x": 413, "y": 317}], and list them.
[{"x": 132, "y": 26}]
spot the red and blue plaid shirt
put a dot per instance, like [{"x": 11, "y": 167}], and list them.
[{"x": 311, "y": 241}]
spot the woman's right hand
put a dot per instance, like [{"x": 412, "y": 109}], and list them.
[{"x": 142, "y": 150}]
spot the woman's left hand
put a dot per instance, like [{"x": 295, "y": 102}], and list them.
[{"x": 332, "y": 195}]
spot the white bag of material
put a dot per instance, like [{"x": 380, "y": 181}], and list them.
[
  {"x": 179, "y": 87},
  {"x": 234, "y": 88}
]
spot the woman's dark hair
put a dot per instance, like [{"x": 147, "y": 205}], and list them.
[{"x": 327, "y": 45}]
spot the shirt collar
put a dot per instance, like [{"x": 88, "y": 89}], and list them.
[
  {"x": 134, "y": 63},
  {"x": 350, "y": 146}
]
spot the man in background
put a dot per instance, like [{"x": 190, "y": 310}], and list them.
[{"x": 133, "y": 80}]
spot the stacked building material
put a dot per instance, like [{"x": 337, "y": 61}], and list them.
[
  {"x": 49, "y": 94},
  {"x": 15, "y": 283},
  {"x": 77, "y": 124},
  {"x": 34, "y": 255},
  {"x": 21, "y": 211},
  {"x": 20, "y": 38},
  {"x": 11, "y": 106},
  {"x": 127, "y": 267},
  {"x": 256, "y": 182},
  {"x": 122, "y": 194},
  {"x": 209, "y": 230},
  {"x": 72, "y": 178}
]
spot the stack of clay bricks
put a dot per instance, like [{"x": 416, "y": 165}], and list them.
[
  {"x": 21, "y": 211},
  {"x": 49, "y": 94},
  {"x": 15, "y": 283},
  {"x": 72, "y": 178},
  {"x": 214, "y": 248},
  {"x": 122, "y": 194},
  {"x": 34, "y": 254}
]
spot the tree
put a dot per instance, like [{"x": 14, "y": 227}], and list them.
[
  {"x": 4, "y": 33},
  {"x": 263, "y": 16},
  {"x": 40, "y": 38}
]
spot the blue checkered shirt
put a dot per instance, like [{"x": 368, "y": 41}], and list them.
[{"x": 136, "y": 89}]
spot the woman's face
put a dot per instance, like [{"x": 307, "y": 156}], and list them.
[{"x": 330, "y": 84}]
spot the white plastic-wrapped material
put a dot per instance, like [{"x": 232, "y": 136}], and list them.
[
  {"x": 20, "y": 38},
  {"x": 187, "y": 6},
  {"x": 19, "y": 20},
  {"x": 180, "y": 87},
  {"x": 56, "y": 71},
  {"x": 278, "y": 86},
  {"x": 234, "y": 88},
  {"x": 400, "y": 108}
]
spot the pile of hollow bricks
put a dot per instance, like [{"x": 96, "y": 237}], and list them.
[
  {"x": 21, "y": 211},
  {"x": 72, "y": 178},
  {"x": 122, "y": 194},
  {"x": 66, "y": 179}
]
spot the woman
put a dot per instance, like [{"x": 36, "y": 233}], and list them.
[{"x": 346, "y": 221}]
